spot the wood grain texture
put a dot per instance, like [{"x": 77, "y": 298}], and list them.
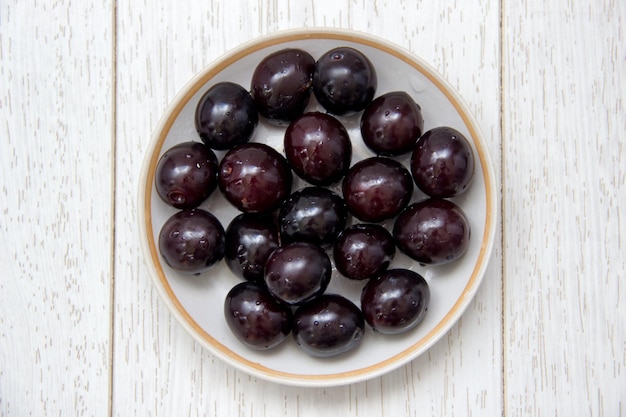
[
  {"x": 56, "y": 200},
  {"x": 158, "y": 369},
  {"x": 565, "y": 124},
  {"x": 82, "y": 86}
]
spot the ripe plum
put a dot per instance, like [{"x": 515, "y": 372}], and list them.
[
  {"x": 377, "y": 188},
  {"x": 433, "y": 231},
  {"x": 186, "y": 175},
  {"x": 391, "y": 124},
  {"x": 312, "y": 214},
  {"x": 255, "y": 317},
  {"x": 250, "y": 240},
  {"x": 191, "y": 241},
  {"x": 318, "y": 148},
  {"x": 226, "y": 116},
  {"x": 344, "y": 81},
  {"x": 396, "y": 301},
  {"x": 363, "y": 251},
  {"x": 442, "y": 163},
  {"x": 281, "y": 84},
  {"x": 297, "y": 272},
  {"x": 328, "y": 326},
  {"x": 255, "y": 178}
]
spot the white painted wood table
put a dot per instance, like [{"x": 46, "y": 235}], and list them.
[{"x": 82, "y": 331}]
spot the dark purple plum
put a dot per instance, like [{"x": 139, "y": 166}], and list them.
[
  {"x": 391, "y": 124},
  {"x": 255, "y": 178},
  {"x": 186, "y": 175},
  {"x": 255, "y": 317},
  {"x": 395, "y": 302},
  {"x": 433, "y": 231},
  {"x": 363, "y": 251},
  {"x": 250, "y": 239},
  {"x": 226, "y": 116},
  {"x": 328, "y": 326},
  {"x": 312, "y": 214},
  {"x": 191, "y": 241},
  {"x": 442, "y": 163},
  {"x": 318, "y": 148},
  {"x": 281, "y": 84},
  {"x": 377, "y": 188},
  {"x": 297, "y": 272},
  {"x": 344, "y": 81}
]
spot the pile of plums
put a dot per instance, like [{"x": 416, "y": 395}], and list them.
[{"x": 284, "y": 243}]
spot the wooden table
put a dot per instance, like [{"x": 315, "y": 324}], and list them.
[{"x": 82, "y": 331}]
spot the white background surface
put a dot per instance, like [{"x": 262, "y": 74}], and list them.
[{"x": 82, "y": 331}]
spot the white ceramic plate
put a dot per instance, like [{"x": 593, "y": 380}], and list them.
[{"x": 197, "y": 302}]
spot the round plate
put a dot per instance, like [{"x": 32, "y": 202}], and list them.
[{"x": 197, "y": 302}]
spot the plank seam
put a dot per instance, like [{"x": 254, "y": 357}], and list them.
[
  {"x": 113, "y": 198},
  {"x": 502, "y": 210}
]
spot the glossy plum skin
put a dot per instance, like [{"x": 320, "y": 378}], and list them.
[
  {"x": 255, "y": 317},
  {"x": 254, "y": 178},
  {"x": 328, "y": 326},
  {"x": 297, "y": 272},
  {"x": 191, "y": 241},
  {"x": 377, "y": 188},
  {"x": 442, "y": 163},
  {"x": 433, "y": 232},
  {"x": 391, "y": 124},
  {"x": 186, "y": 175},
  {"x": 226, "y": 116},
  {"x": 344, "y": 81},
  {"x": 250, "y": 239},
  {"x": 318, "y": 148},
  {"x": 312, "y": 214},
  {"x": 395, "y": 302},
  {"x": 281, "y": 84},
  {"x": 363, "y": 251}
]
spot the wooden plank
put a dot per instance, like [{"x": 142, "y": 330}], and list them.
[
  {"x": 158, "y": 369},
  {"x": 56, "y": 198},
  {"x": 564, "y": 176}
]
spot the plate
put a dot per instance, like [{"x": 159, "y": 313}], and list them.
[{"x": 197, "y": 302}]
